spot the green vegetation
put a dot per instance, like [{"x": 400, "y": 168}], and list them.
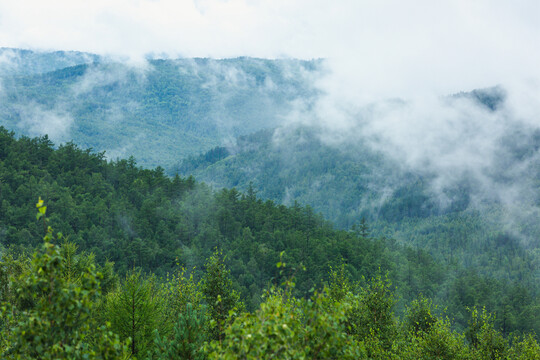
[
  {"x": 195, "y": 274},
  {"x": 477, "y": 253},
  {"x": 50, "y": 312},
  {"x": 358, "y": 323},
  {"x": 175, "y": 108}
]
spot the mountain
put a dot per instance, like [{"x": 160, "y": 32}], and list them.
[
  {"x": 28, "y": 62},
  {"x": 158, "y": 111},
  {"x": 465, "y": 236},
  {"x": 295, "y": 165},
  {"x": 143, "y": 219},
  {"x": 464, "y": 223}
]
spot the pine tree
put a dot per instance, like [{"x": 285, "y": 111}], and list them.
[
  {"x": 187, "y": 339},
  {"x": 135, "y": 310},
  {"x": 223, "y": 301}
]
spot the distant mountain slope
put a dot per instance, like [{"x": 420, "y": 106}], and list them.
[
  {"x": 348, "y": 182},
  {"x": 158, "y": 112},
  {"x": 295, "y": 165},
  {"x": 349, "y": 179},
  {"x": 27, "y": 62},
  {"x": 344, "y": 183}
]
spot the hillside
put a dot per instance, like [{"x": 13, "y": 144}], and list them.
[
  {"x": 140, "y": 218},
  {"x": 347, "y": 183},
  {"x": 28, "y": 62},
  {"x": 261, "y": 186},
  {"x": 159, "y": 111}
]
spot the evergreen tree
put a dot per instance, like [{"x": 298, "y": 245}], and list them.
[
  {"x": 135, "y": 310},
  {"x": 187, "y": 338},
  {"x": 222, "y": 299}
]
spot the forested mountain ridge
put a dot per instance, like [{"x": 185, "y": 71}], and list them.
[
  {"x": 348, "y": 183},
  {"x": 174, "y": 107},
  {"x": 142, "y": 219},
  {"x": 272, "y": 199},
  {"x": 297, "y": 163},
  {"x": 27, "y": 62}
]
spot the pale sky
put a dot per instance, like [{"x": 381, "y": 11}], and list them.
[{"x": 391, "y": 47}]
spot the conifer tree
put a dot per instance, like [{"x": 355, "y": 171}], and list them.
[
  {"x": 222, "y": 299},
  {"x": 187, "y": 339},
  {"x": 135, "y": 310}
]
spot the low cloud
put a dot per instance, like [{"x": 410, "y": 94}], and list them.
[
  {"x": 390, "y": 66},
  {"x": 36, "y": 120},
  {"x": 9, "y": 60},
  {"x": 104, "y": 75},
  {"x": 486, "y": 142}
]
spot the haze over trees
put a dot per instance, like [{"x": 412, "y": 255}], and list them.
[
  {"x": 175, "y": 107},
  {"x": 290, "y": 248}
]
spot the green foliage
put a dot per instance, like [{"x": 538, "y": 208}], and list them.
[
  {"x": 526, "y": 349},
  {"x": 58, "y": 325},
  {"x": 371, "y": 314},
  {"x": 48, "y": 312},
  {"x": 223, "y": 300},
  {"x": 10, "y": 268},
  {"x": 142, "y": 219},
  {"x": 138, "y": 217},
  {"x": 339, "y": 285},
  {"x": 420, "y": 316},
  {"x": 455, "y": 255},
  {"x": 487, "y": 343},
  {"x": 180, "y": 291},
  {"x": 323, "y": 324},
  {"x": 286, "y": 328},
  {"x": 269, "y": 332},
  {"x": 135, "y": 310},
  {"x": 439, "y": 341},
  {"x": 187, "y": 341}
]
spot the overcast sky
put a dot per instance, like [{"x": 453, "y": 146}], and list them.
[{"x": 392, "y": 47}]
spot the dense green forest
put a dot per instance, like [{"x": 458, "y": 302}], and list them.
[
  {"x": 139, "y": 218},
  {"x": 224, "y": 274},
  {"x": 229, "y": 236},
  {"x": 348, "y": 183},
  {"x": 175, "y": 108}
]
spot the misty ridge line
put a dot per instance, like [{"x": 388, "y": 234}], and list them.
[
  {"x": 488, "y": 144},
  {"x": 223, "y": 86},
  {"x": 483, "y": 143},
  {"x": 487, "y": 140},
  {"x": 93, "y": 78}
]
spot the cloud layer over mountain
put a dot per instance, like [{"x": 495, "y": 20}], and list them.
[{"x": 378, "y": 48}]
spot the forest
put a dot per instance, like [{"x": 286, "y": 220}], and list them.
[
  {"x": 106, "y": 259},
  {"x": 175, "y": 107}
]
